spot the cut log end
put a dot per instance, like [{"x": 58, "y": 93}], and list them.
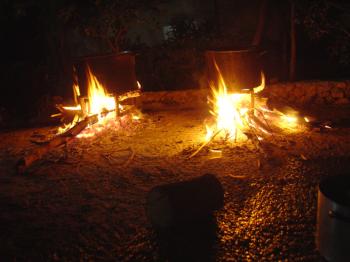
[
  {"x": 187, "y": 201},
  {"x": 159, "y": 209}
]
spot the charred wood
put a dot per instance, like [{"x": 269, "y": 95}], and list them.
[{"x": 39, "y": 152}]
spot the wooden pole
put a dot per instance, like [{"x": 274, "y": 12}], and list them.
[
  {"x": 292, "y": 64},
  {"x": 261, "y": 23}
]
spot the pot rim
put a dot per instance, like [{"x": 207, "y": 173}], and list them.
[
  {"x": 106, "y": 55},
  {"x": 231, "y": 51},
  {"x": 337, "y": 189}
]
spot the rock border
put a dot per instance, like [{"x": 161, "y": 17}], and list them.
[
  {"x": 297, "y": 93},
  {"x": 311, "y": 92}
]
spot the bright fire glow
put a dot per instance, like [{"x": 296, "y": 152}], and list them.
[
  {"x": 99, "y": 100},
  {"x": 238, "y": 113},
  {"x": 99, "y": 103}
]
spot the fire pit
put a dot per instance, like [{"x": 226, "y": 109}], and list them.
[
  {"x": 95, "y": 107},
  {"x": 237, "y": 111}
]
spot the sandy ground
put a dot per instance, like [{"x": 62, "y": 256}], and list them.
[{"x": 86, "y": 202}]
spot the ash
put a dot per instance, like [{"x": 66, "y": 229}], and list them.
[{"x": 86, "y": 201}]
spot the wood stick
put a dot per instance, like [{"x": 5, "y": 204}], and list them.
[
  {"x": 39, "y": 152},
  {"x": 127, "y": 95},
  {"x": 132, "y": 155},
  {"x": 204, "y": 144}
]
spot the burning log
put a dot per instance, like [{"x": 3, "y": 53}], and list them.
[
  {"x": 90, "y": 108},
  {"x": 128, "y": 95},
  {"x": 68, "y": 112},
  {"x": 57, "y": 141},
  {"x": 187, "y": 201}
]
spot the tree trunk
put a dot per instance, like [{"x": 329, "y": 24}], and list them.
[
  {"x": 261, "y": 23},
  {"x": 285, "y": 56},
  {"x": 217, "y": 17},
  {"x": 292, "y": 64}
]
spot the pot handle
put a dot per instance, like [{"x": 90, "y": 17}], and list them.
[{"x": 335, "y": 215}]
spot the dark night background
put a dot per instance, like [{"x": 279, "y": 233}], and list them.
[{"x": 40, "y": 39}]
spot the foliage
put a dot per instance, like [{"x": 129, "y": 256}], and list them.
[
  {"x": 107, "y": 19},
  {"x": 189, "y": 30},
  {"x": 328, "y": 20},
  {"x": 201, "y": 35}
]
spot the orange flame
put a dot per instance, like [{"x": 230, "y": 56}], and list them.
[
  {"x": 99, "y": 100},
  {"x": 236, "y": 113},
  {"x": 99, "y": 103}
]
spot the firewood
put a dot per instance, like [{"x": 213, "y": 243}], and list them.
[
  {"x": 204, "y": 144},
  {"x": 127, "y": 95},
  {"x": 131, "y": 157},
  {"x": 188, "y": 201},
  {"x": 39, "y": 152}
]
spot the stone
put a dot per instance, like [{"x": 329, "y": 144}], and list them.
[
  {"x": 298, "y": 91},
  {"x": 342, "y": 101},
  {"x": 341, "y": 85},
  {"x": 289, "y": 87},
  {"x": 328, "y": 99},
  {"x": 347, "y": 91},
  {"x": 323, "y": 87},
  {"x": 319, "y": 100},
  {"x": 303, "y": 100},
  {"x": 337, "y": 92},
  {"x": 310, "y": 92}
]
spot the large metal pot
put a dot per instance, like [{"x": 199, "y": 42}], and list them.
[
  {"x": 241, "y": 69},
  {"x": 333, "y": 219},
  {"x": 115, "y": 71}
]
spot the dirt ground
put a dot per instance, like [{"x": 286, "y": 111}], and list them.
[{"x": 86, "y": 202}]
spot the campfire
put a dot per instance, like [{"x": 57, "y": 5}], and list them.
[
  {"x": 89, "y": 115},
  {"x": 238, "y": 116},
  {"x": 100, "y": 107}
]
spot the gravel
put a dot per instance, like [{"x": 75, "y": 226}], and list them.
[{"x": 76, "y": 205}]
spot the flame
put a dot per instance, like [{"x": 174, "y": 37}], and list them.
[
  {"x": 99, "y": 100},
  {"x": 99, "y": 103},
  {"x": 289, "y": 120},
  {"x": 261, "y": 87},
  {"x": 72, "y": 108},
  {"x": 238, "y": 113},
  {"x": 76, "y": 92},
  {"x": 65, "y": 127},
  {"x": 231, "y": 109}
]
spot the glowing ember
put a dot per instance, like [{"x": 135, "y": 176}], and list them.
[{"x": 239, "y": 114}]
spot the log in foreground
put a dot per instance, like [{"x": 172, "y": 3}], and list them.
[
  {"x": 37, "y": 154},
  {"x": 188, "y": 201}
]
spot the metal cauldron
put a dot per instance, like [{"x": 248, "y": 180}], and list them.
[
  {"x": 241, "y": 69},
  {"x": 115, "y": 71},
  {"x": 333, "y": 218}
]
